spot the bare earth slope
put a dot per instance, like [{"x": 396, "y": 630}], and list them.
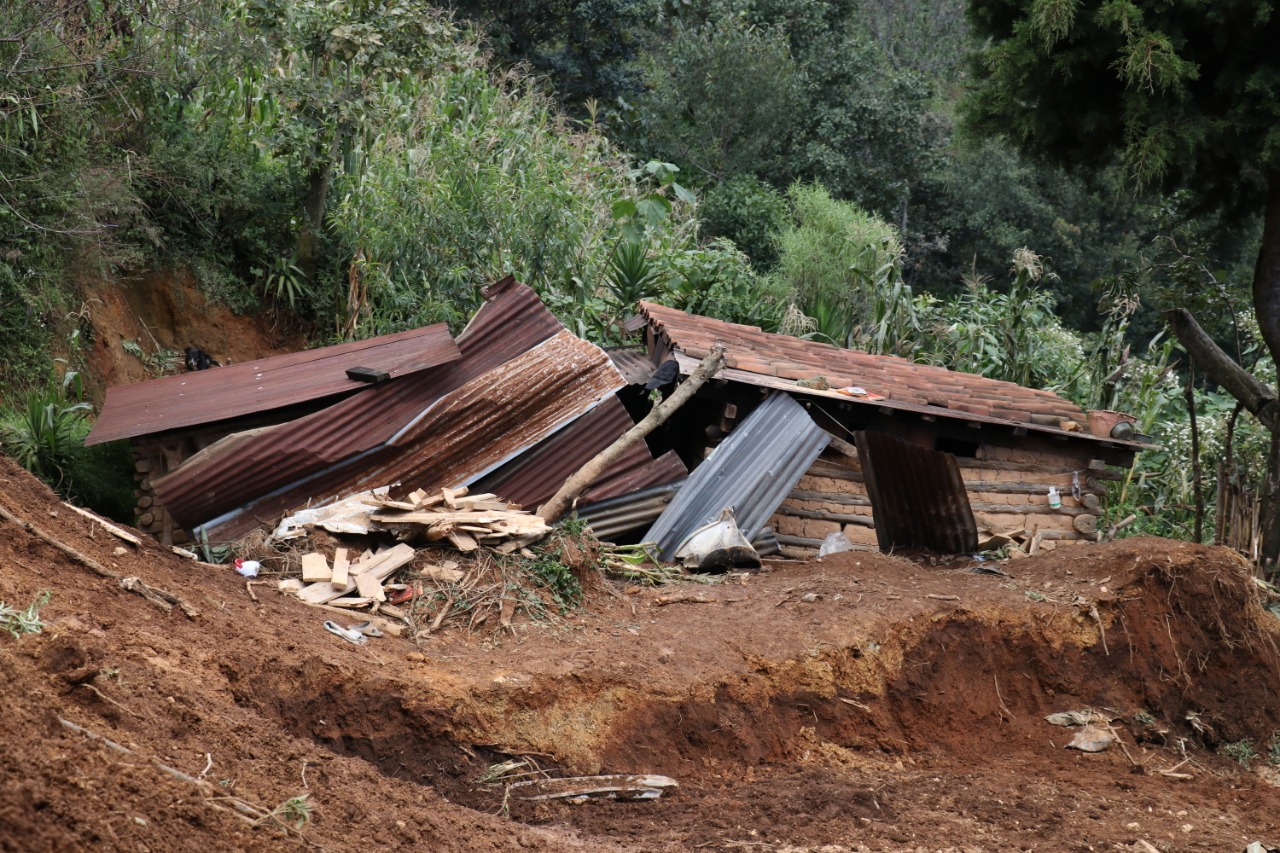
[{"x": 862, "y": 702}]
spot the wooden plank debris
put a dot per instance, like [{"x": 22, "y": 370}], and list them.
[
  {"x": 340, "y": 566},
  {"x": 622, "y": 786},
  {"x": 106, "y": 525},
  {"x": 315, "y": 567}
]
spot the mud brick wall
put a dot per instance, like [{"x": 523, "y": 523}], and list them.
[{"x": 1008, "y": 490}]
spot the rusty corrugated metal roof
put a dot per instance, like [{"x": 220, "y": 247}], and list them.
[
  {"x": 634, "y": 364},
  {"x": 917, "y": 496},
  {"x": 896, "y": 379},
  {"x": 457, "y": 438},
  {"x": 753, "y": 471},
  {"x": 510, "y": 322},
  {"x": 220, "y": 393},
  {"x": 534, "y": 476}
]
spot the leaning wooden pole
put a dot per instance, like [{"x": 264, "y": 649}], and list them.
[{"x": 587, "y": 474}]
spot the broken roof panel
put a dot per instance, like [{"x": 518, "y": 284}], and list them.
[
  {"x": 897, "y": 380},
  {"x": 455, "y": 439},
  {"x": 753, "y": 470},
  {"x": 510, "y": 322},
  {"x": 533, "y": 477},
  {"x": 917, "y": 495},
  {"x": 207, "y": 396}
]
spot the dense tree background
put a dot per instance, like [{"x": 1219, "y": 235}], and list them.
[{"x": 869, "y": 172}]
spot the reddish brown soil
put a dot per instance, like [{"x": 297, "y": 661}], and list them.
[
  {"x": 168, "y": 313},
  {"x": 859, "y": 703}
]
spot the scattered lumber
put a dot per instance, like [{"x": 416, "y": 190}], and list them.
[{"x": 468, "y": 522}]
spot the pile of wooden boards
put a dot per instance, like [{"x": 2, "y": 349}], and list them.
[
  {"x": 467, "y": 521},
  {"x": 364, "y": 576}
]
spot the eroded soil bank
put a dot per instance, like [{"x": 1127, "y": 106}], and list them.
[{"x": 863, "y": 702}]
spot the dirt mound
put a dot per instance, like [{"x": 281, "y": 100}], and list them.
[{"x": 863, "y": 702}]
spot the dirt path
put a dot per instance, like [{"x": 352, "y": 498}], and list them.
[{"x": 859, "y": 703}]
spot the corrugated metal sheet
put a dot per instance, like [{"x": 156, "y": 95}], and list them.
[
  {"x": 534, "y": 476},
  {"x": 917, "y": 495},
  {"x": 462, "y": 436},
  {"x": 221, "y": 393},
  {"x": 609, "y": 519},
  {"x": 752, "y": 471},
  {"x": 898, "y": 379},
  {"x": 511, "y": 321},
  {"x": 634, "y": 364}
]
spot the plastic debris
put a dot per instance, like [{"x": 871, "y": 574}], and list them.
[{"x": 834, "y": 544}]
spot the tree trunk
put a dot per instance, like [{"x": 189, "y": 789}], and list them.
[{"x": 1221, "y": 368}]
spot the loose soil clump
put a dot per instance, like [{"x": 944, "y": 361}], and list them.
[{"x": 858, "y": 703}]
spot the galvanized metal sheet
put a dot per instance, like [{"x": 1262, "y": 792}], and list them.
[
  {"x": 222, "y": 393},
  {"x": 688, "y": 364},
  {"x": 917, "y": 495},
  {"x": 614, "y": 517},
  {"x": 511, "y": 322},
  {"x": 898, "y": 379},
  {"x": 752, "y": 471}
]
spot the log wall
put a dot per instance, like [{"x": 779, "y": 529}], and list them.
[{"x": 1008, "y": 490}]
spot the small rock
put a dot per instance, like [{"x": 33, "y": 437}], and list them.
[
  {"x": 415, "y": 657},
  {"x": 120, "y": 551},
  {"x": 809, "y": 597},
  {"x": 665, "y": 655},
  {"x": 1186, "y": 827}
]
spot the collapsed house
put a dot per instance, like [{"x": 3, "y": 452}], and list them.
[{"x": 800, "y": 441}]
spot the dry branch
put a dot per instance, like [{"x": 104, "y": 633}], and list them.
[{"x": 86, "y": 561}]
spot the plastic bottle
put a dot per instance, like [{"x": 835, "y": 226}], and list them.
[{"x": 1055, "y": 500}]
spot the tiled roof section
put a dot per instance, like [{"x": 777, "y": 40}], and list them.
[
  {"x": 754, "y": 351},
  {"x": 510, "y": 322},
  {"x": 221, "y": 393}
]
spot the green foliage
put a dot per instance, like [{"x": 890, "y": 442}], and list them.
[
  {"x": 44, "y": 429},
  {"x": 294, "y": 813},
  {"x": 585, "y": 48},
  {"x": 43, "y": 426},
  {"x": 1111, "y": 79},
  {"x": 1240, "y": 751},
  {"x": 747, "y": 211},
  {"x": 25, "y": 621},
  {"x": 834, "y": 258},
  {"x": 722, "y": 98},
  {"x": 1012, "y": 335}
]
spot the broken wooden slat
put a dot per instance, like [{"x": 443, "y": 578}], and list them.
[
  {"x": 315, "y": 567},
  {"x": 340, "y": 567},
  {"x": 370, "y": 587},
  {"x": 106, "y": 525},
  {"x": 380, "y": 566},
  {"x": 351, "y": 601},
  {"x": 620, "y": 786}
]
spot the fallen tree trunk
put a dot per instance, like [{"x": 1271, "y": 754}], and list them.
[{"x": 587, "y": 474}]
